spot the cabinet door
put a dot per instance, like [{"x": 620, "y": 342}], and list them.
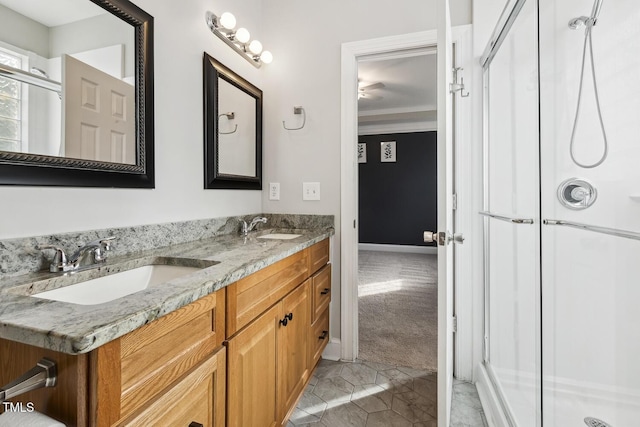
[
  {"x": 251, "y": 386},
  {"x": 199, "y": 397},
  {"x": 293, "y": 347}
]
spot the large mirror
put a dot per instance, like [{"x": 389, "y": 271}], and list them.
[
  {"x": 76, "y": 93},
  {"x": 233, "y": 129}
]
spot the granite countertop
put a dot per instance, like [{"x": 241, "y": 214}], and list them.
[{"x": 76, "y": 329}]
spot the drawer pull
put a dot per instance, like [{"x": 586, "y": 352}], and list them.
[
  {"x": 324, "y": 335},
  {"x": 326, "y": 291},
  {"x": 287, "y": 318},
  {"x": 196, "y": 424}
]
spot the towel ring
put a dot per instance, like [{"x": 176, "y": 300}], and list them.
[
  {"x": 297, "y": 110},
  {"x": 230, "y": 116}
]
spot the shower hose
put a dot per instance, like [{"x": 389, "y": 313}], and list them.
[{"x": 587, "y": 40}]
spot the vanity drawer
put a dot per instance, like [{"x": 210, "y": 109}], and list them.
[
  {"x": 319, "y": 338},
  {"x": 318, "y": 256},
  {"x": 199, "y": 397},
  {"x": 133, "y": 370},
  {"x": 249, "y": 297},
  {"x": 321, "y": 291}
]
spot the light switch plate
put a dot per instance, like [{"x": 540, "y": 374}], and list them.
[
  {"x": 310, "y": 191},
  {"x": 274, "y": 191}
]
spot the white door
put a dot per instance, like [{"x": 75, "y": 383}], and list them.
[
  {"x": 99, "y": 114},
  {"x": 445, "y": 215}
]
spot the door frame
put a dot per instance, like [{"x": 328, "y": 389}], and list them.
[
  {"x": 385, "y": 47},
  {"x": 466, "y": 300}
]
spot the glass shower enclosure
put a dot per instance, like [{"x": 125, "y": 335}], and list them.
[{"x": 562, "y": 213}]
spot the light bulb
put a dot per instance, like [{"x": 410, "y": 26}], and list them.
[
  {"x": 266, "y": 57},
  {"x": 255, "y": 47},
  {"x": 228, "y": 21},
  {"x": 242, "y": 35}
]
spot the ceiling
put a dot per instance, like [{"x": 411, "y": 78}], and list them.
[
  {"x": 54, "y": 13},
  {"x": 409, "y": 93}
]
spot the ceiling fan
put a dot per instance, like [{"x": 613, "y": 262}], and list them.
[{"x": 364, "y": 88}]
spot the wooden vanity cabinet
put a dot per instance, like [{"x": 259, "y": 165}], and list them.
[
  {"x": 270, "y": 334},
  {"x": 171, "y": 371},
  {"x": 175, "y": 355},
  {"x": 176, "y": 370}
]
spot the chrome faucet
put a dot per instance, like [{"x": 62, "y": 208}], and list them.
[
  {"x": 245, "y": 229},
  {"x": 90, "y": 255}
]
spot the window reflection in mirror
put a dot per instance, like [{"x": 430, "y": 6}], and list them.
[{"x": 87, "y": 51}]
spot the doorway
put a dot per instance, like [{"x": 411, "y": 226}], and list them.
[
  {"x": 387, "y": 48},
  {"x": 397, "y": 201},
  {"x": 468, "y": 350}
]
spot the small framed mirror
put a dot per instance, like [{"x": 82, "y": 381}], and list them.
[{"x": 232, "y": 129}]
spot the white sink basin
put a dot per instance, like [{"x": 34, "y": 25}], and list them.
[
  {"x": 279, "y": 236},
  {"x": 109, "y": 288}
]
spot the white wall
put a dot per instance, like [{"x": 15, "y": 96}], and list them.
[
  {"x": 23, "y": 32},
  {"x": 181, "y": 37},
  {"x": 305, "y": 39}
]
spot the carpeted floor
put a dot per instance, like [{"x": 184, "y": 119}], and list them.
[{"x": 398, "y": 309}]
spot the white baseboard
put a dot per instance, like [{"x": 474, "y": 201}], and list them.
[
  {"x": 333, "y": 350},
  {"x": 489, "y": 399},
  {"x": 431, "y": 250}
]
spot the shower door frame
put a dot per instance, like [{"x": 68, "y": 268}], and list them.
[{"x": 505, "y": 23}]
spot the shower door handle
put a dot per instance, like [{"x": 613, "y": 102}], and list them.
[{"x": 442, "y": 238}]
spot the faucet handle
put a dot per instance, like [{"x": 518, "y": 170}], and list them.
[
  {"x": 103, "y": 246},
  {"x": 59, "y": 259},
  {"x": 106, "y": 242}
]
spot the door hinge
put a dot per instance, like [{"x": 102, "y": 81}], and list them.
[
  {"x": 454, "y": 324},
  {"x": 354, "y": 223},
  {"x": 454, "y": 201}
]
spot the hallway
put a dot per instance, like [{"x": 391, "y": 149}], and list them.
[{"x": 398, "y": 309}]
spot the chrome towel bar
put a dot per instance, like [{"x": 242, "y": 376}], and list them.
[
  {"x": 44, "y": 374},
  {"x": 507, "y": 218},
  {"x": 604, "y": 230},
  {"x": 27, "y": 77}
]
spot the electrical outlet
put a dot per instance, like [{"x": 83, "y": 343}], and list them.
[
  {"x": 274, "y": 191},
  {"x": 310, "y": 191}
]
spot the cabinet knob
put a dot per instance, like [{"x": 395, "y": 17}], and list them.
[
  {"x": 324, "y": 335},
  {"x": 287, "y": 319},
  {"x": 196, "y": 424},
  {"x": 326, "y": 291}
]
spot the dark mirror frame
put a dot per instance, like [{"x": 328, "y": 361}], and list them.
[
  {"x": 213, "y": 179},
  {"x": 31, "y": 169}
]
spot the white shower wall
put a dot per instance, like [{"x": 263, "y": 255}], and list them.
[{"x": 590, "y": 281}]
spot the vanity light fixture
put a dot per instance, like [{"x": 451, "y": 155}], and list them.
[{"x": 223, "y": 27}]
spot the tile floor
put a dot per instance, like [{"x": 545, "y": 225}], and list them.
[{"x": 369, "y": 394}]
